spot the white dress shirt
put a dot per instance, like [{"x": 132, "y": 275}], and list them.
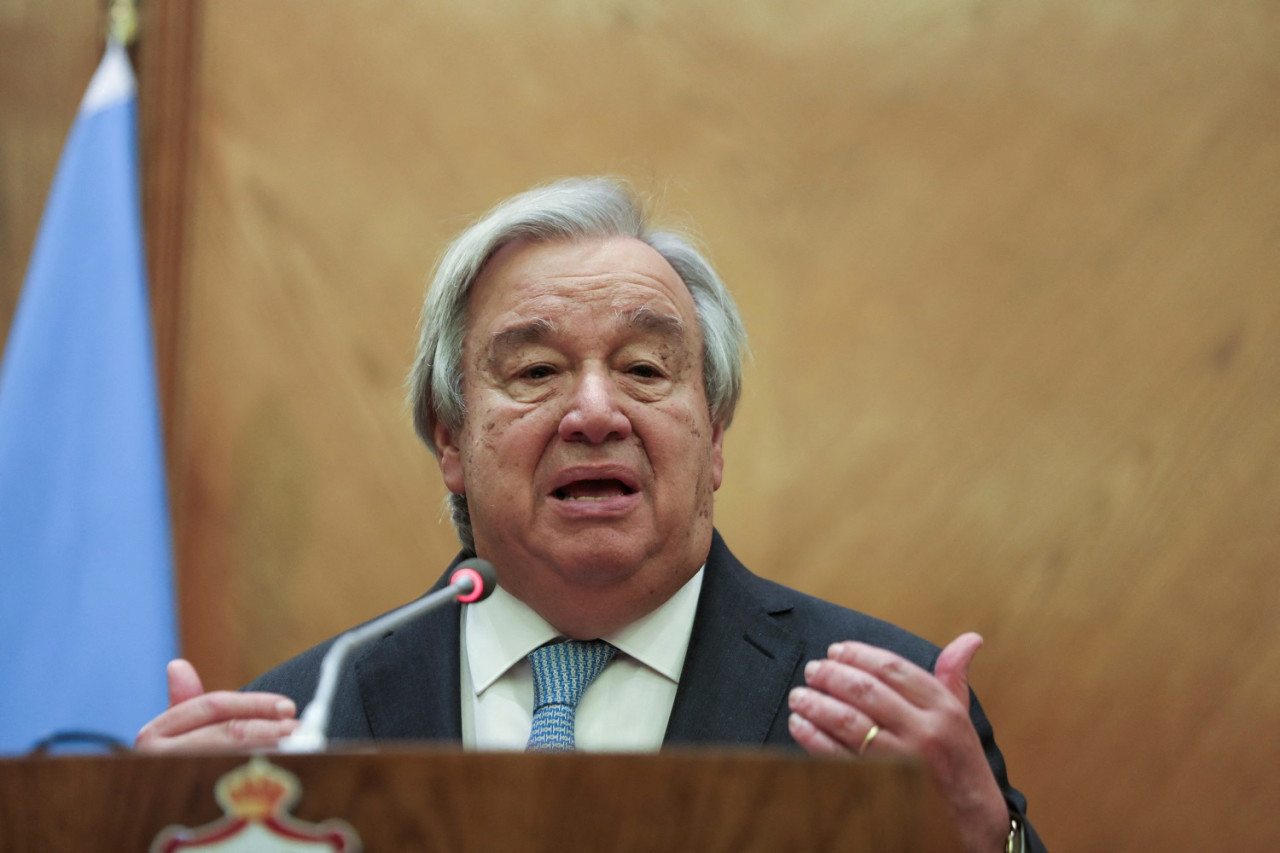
[{"x": 625, "y": 709}]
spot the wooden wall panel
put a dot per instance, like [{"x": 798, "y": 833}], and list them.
[
  {"x": 47, "y": 54},
  {"x": 1009, "y": 271}
]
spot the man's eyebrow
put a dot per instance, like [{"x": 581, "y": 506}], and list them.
[
  {"x": 646, "y": 319},
  {"x": 512, "y": 338}
]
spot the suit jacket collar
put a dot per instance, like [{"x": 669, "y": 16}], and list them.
[
  {"x": 409, "y": 682},
  {"x": 740, "y": 665},
  {"x": 741, "y": 662}
]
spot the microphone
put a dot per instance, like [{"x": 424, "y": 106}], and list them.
[{"x": 473, "y": 580}]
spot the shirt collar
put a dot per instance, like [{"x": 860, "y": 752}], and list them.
[{"x": 501, "y": 630}]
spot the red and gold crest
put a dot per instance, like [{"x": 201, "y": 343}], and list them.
[{"x": 256, "y": 799}]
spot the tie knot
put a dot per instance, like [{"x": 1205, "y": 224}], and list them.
[{"x": 563, "y": 671}]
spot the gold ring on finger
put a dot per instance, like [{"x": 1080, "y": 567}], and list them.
[{"x": 871, "y": 735}]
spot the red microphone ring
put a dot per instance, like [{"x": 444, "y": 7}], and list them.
[{"x": 477, "y": 584}]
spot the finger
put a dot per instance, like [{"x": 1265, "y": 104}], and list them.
[
  {"x": 813, "y": 739},
  {"x": 913, "y": 683},
  {"x": 836, "y": 721},
  {"x": 184, "y": 681},
  {"x": 864, "y": 692},
  {"x": 952, "y": 668},
  {"x": 230, "y": 736},
  {"x": 221, "y": 706}
]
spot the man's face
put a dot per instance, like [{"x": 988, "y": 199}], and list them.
[{"x": 587, "y": 453}]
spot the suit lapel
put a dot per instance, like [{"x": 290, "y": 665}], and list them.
[
  {"x": 740, "y": 665},
  {"x": 409, "y": 683}
]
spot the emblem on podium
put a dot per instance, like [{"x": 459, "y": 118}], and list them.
[{"x": 256, "y": 799}]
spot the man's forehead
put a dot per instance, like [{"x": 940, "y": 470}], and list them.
[
  {"x": 530, "y": 287},
  {"x": 645, "y": 320}
]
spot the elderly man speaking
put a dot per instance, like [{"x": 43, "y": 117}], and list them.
[{"x": 575, "y": 375}]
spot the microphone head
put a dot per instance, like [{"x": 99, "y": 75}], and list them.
[{"x": 483, "y": 577}]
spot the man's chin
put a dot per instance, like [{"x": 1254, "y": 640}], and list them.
[
  {"x": 597, "y": 557},
  {"x": 598, "y": 560}
]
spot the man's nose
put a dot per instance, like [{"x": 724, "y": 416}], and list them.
[{"x": 595, "y": 414}]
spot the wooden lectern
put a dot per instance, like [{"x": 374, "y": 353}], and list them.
[{"x": 420, "y": 799}]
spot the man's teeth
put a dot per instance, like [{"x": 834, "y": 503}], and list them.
[{"x": 593, "y": 490}]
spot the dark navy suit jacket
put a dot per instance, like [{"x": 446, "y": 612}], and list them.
[{"x": 751, "y": 639}]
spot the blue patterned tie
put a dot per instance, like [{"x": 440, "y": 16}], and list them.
[{"x": 561, "y": 674}]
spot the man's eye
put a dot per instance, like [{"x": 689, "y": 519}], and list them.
[
  {"x": 537, "y": 371},
  {"x": 645, "y": 371}
]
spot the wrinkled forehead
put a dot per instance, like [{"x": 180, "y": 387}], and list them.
[{"x": 527, "y": 287}]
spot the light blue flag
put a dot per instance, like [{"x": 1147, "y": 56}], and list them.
[{"x": 86, "y": 579}]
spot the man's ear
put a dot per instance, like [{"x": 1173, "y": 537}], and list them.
[
  {"x": 449, "y": 458},
  {"x": 717, "y": 454}
]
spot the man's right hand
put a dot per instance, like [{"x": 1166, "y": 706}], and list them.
[{"x": 221, "y": 721}]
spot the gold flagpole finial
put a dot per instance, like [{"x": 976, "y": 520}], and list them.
[{"x": 123, "y": 21}]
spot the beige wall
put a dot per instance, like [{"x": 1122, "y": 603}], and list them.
[{"x": 1009, "y": 275}]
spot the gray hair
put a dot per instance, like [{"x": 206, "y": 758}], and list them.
[{"x": 570, "y": 209}]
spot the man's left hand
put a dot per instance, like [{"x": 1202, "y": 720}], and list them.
[{"x": 917, "y": 713}]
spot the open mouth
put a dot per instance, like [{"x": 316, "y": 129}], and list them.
[{"x": 592, "y": 490}]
